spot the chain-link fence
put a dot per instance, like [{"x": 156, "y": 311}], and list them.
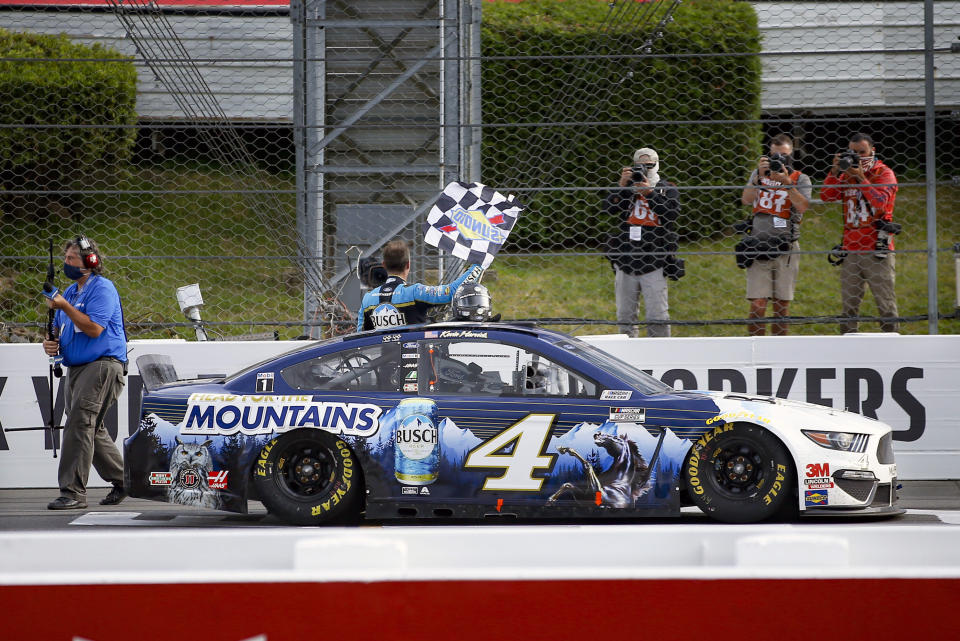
[{"x": 259, "y": 150}]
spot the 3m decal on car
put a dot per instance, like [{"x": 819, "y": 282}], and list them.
[
  {"x": 265, "y": 382},
  {"x": 615, "y": 395},
  {"x": 209, "y": 414},
  {"x": 818, "y": 469},
  {"x": 628, "y": 414},
  {"x": 815, "y": 498}
]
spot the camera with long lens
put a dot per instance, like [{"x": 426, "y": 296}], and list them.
[
  {"x": 847, "y": 159},
  {"x": 778, "y": 162},
  {"x": 885, "y": 229}
]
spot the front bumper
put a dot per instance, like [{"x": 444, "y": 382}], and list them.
[{"x": 878, "y": 499}]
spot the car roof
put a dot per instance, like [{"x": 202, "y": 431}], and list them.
[
  {"x": 526, "y": 329},
  {"x": 530, "y": 330}
]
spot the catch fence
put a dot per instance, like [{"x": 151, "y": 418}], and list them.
[{"x": 260, "y": 150}]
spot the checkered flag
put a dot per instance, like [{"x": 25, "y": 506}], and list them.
[{"x": 471, "y": 221}]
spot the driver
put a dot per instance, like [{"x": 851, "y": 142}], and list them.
[
  {"x": 395, "y": 303},
  {"x": 471, "y": 303}
]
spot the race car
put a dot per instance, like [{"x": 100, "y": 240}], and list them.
[{"x": 475, "y": 420}]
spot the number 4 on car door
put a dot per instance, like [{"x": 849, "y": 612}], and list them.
[{"x": 529, "y": 437}]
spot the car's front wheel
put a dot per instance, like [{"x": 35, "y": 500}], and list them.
[
  {"x": 740, "y": 473},
  {"x": 309, "y": 477}
]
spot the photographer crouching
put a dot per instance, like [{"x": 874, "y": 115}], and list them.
[
  {"x": 779, "y": 195},
  {"x": 643, "y": 250},
  {"x": 867, "y": 189}
]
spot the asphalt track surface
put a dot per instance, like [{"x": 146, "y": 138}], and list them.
[{"x": 926, "y": 503}]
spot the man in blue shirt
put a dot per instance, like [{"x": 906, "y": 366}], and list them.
[
  {"x": 395, "y": 303},
  {"x": 93, "y": 345}
]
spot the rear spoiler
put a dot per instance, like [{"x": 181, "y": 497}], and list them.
[{"x": 156, "y": 370}]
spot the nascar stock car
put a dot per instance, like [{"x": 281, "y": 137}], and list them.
[{"x": 469, "y": 420}]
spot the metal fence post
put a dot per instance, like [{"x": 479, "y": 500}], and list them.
[
  {"x": 308, "y": 107},
  {"x": 931, "y": 167}
]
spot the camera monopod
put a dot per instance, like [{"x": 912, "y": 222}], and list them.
[
  {"x": 49, "y": 290},
  {"x": 55, "y": 369}
]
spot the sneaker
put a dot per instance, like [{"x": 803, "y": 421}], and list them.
[
  {"x": 116, "y": 495},
  {"x": 65, "y": 503}
]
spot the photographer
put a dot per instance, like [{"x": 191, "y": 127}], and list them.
[
  {"x": 395, "y": 303},
  {"x": 867, "y": 189},
  {"x": 93, "y": 344},
  {"x": 642, "y": 250},
  {"x": 779, "y": 195}
]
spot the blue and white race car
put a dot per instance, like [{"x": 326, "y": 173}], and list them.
[{"x": 468, "y": 420}]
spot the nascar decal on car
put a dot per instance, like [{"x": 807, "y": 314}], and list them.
[
  {"x": 628, "y": 414},
  {"x": 615, "y": 395},
  {"x": 227, "y": 414}
]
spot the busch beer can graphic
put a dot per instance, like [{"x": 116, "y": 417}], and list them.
[{"x": 416, "y": 455}]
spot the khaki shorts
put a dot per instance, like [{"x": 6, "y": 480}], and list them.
[{"x": 774, "y": 278}]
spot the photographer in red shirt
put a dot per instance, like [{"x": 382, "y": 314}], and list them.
[{"x": 867, "y": 189}]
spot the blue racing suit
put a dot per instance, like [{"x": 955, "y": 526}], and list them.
[{"x": 395, "y": 304}]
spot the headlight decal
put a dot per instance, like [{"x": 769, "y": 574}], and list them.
[{"x": 842, "y": 441}]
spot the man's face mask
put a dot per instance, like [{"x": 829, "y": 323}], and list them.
[
  {"x": 867, "y": 162},
  {"x": 73, "y": 273}
]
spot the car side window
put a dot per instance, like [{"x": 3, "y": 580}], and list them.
[
  {"x": 366, "y": 369},
  {"x": 493, "y": 368}
]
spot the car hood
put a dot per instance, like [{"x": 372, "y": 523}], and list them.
[{"x": 789, "y": 413}]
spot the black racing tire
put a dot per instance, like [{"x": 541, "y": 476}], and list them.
[
  {"x": 309, "y": 477},
  {"x": 741, "y": 473}
]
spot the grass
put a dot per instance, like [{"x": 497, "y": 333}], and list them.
[{"x": 155, "y": 242}]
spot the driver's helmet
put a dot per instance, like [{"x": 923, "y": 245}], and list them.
[{"x": 471, "y": 303}]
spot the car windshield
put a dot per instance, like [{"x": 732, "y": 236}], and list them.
[{"x": 629, "y": 374}]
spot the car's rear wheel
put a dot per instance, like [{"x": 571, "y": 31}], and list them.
[
  {"x": 741, "y": 473},
  {"x": 309, "y": 477}
]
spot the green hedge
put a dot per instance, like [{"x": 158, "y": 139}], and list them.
[
  {"x": 88, "y": 85},
  {"x": 706, "y": 88}
]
